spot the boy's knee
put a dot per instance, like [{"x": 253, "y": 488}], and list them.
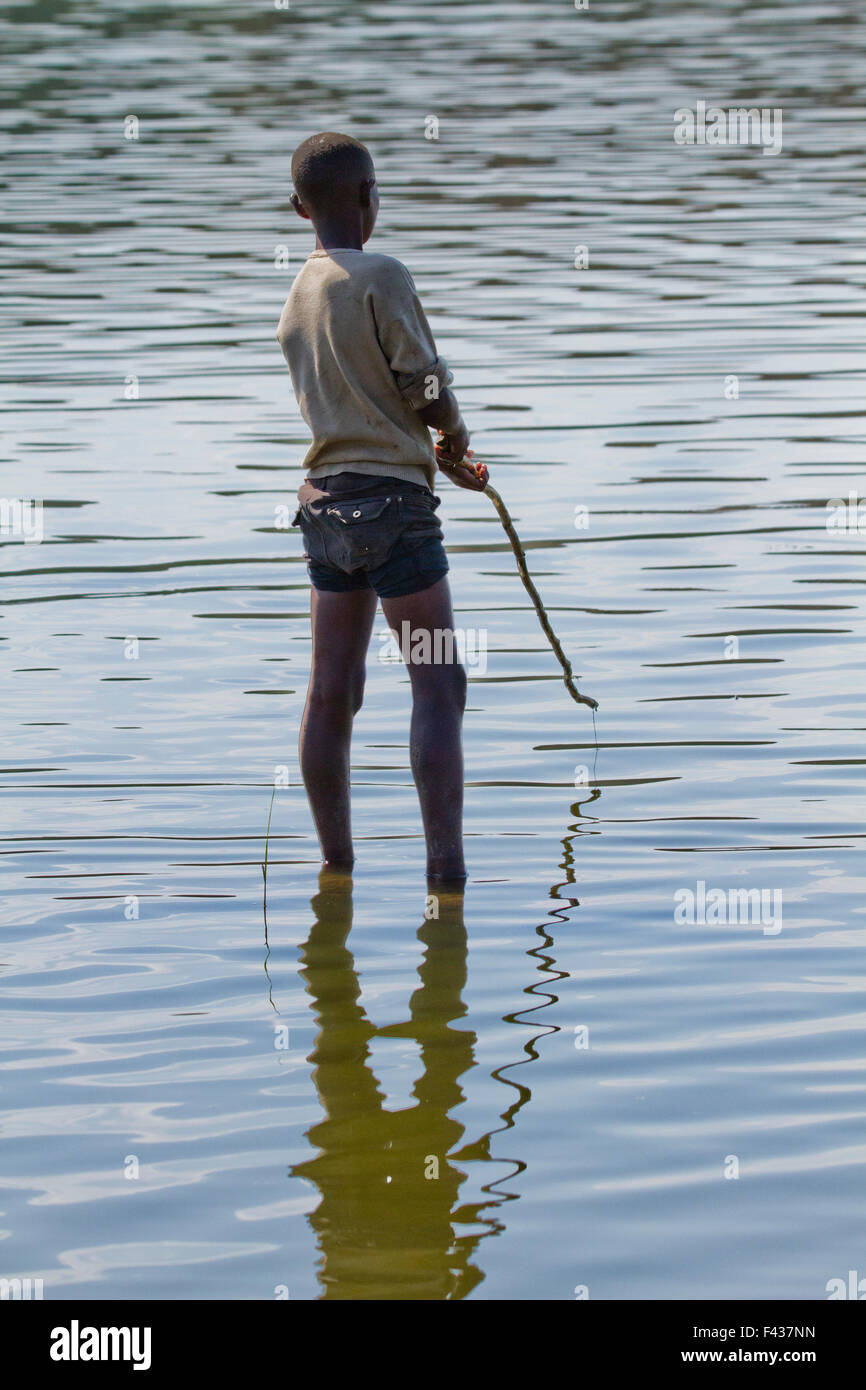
[
  {"x": 356, "y": 690},
  {"x": 461, "y": 685},
  {"x": 445, "y": 685},
  {"x": 338, "y": 698}
]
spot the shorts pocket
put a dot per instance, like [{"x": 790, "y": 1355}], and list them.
[
  {"x": 359, "y": 512},
  {"x": 419, "y": 522},
  {"x": 350, "y": 533}
]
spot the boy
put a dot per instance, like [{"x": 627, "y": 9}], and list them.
[{"x": 370, "y": 385}]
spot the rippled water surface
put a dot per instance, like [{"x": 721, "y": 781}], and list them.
[{"x": 560, "y": 1086}]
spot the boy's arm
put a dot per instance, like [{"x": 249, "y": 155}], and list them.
[
  {"x": 443, "y": 414},
  {"x": 453, "y": 445},
  {"x": 422, "y": 376}
]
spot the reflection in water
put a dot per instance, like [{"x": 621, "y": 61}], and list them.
[
  {"x": 388, "y": 1223},
  {"x": 539, "y": 989},
  {"x": 568, "y": 852}
]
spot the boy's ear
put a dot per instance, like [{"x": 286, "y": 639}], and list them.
[
  {"x": 366, "y": 188},
  {"x": 299, "y": 207}
]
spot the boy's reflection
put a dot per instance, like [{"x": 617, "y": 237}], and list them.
[{"x": 385, "y": 1224}]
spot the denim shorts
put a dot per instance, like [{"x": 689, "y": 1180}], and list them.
[{"x": 369, "y": 532}]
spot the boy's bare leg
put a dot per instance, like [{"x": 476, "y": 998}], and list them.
[
  {"x": 342, "y": 624},
  {"x": 438, "y": 700}
]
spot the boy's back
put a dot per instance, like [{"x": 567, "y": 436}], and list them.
[{"x": 363, "y": 361}]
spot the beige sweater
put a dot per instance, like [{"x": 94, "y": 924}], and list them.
[{"x": 362, "y": 358}]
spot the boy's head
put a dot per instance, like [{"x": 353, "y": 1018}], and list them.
[{"x": 335, "y": 182}]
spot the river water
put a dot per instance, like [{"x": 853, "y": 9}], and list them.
[{"x": 562, "y": 1087}]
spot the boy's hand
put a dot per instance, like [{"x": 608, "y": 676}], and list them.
[
  {"x": 452, "y": 447},
  {"x": 454, "y": 458}
]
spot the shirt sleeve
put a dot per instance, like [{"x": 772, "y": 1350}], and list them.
[{"x": 406, "y": 340}]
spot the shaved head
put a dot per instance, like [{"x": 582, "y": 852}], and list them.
[{"x": 328, "y": 168}]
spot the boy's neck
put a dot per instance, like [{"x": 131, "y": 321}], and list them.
[{"x": 339, "y": 235}]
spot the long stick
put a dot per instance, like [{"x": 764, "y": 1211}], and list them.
[
  {"x": 530, "y": 588},
  {"x": 265, "y": 902}
]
